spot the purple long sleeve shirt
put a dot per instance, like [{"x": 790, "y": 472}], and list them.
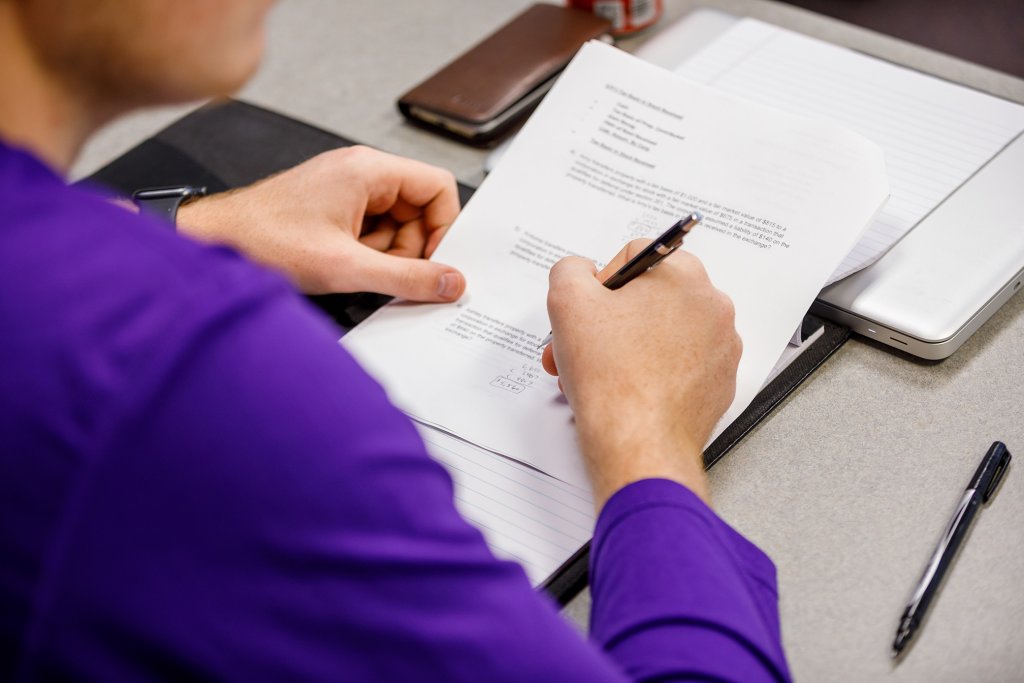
[{"x": 198, "y": 483}]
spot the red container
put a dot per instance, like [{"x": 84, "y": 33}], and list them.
[{"x": 627, "y": 16}]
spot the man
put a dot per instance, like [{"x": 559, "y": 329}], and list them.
[{"x": 196, "y": 482}]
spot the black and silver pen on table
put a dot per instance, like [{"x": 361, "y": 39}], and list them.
[
  {"x": 981, "y": 488},
  {"x": 651, "y": 255}
]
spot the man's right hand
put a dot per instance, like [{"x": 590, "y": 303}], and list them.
[{"x": 648, "y": 368}]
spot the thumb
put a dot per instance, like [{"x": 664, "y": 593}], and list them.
[{"x": 408, "y": 278}]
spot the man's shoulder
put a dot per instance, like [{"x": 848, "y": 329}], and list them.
[
  {"x": 84, "y": 242},
  {"x": 94, "y": 302},
  {"x": 180, "y": 404},
  {"x": 93, "y": 296}
]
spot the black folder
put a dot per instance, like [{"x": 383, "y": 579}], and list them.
[{"x": 233, "y": 143}]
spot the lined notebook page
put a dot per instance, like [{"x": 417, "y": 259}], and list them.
[
  {"x": 525, "y": 516},
  {"x": 935, "y": 134}
]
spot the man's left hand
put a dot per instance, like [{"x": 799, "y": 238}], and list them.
[{"x": 349, "y": 220}]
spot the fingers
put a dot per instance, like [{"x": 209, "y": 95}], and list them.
[
  {"x": 627, "y": 252},
  {"x": 409, "y": 278},
  {"x": 379, "y": 234},
  {"x": 434, "y": 239},
  {"x": 571, "y": 271},
  {"x": 569, "y": 281},
  {"x": 574, "y": 286},
  {"x": 410, "y": 240},
  {"x": 405, "y": 188},
  {"x": 547, "y": 360}
]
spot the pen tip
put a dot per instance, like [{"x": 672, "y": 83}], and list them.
[
  {"x": 900, "y": 643},
  {"x": 698, "y": 216}
]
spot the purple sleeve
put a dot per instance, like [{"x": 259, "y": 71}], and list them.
[
  {"x": 678, "y": 595},
  {"x": 198, "y": 483},
  {"x": 263, "y": 513}
]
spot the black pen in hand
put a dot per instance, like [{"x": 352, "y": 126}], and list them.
[
  {"x": 653, "y": 254},
  {"x": 982, "y": 486}
]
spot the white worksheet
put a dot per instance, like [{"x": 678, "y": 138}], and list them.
[{"x": 620, "y": 149}]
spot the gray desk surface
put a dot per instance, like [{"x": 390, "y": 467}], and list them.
[{"x": 848, "y": 486}]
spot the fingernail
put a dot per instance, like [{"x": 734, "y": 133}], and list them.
[{"x": 449, "y": 285}]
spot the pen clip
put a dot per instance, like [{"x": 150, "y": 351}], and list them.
[
  {"x": 676, "y": 240},
  {"x": 997, "y": 476},
  {"x": 666, "y": 249}
]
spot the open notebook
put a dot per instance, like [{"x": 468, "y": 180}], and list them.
[
  {"x": 524, "y": 514},
  {"x": 935, "y": 134}
]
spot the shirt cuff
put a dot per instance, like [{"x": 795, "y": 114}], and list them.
[
  {"x": 651, "y": 493},
  {"x": 663, "y": 562}
]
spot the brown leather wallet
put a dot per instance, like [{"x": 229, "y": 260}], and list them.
[{"x": 496, "y": 83}]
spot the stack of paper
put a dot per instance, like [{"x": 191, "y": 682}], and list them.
[{"x": 618, "y": 149}]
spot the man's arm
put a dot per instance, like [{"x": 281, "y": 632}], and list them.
[
  {"x": 264, "y": 513},
  {"x": 649, "y": 369}
]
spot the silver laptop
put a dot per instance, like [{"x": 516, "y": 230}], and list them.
[{"x": 947, "y": 276}]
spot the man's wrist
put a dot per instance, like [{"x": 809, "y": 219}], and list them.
[
  {"x": 188, "y": 216},
  {"x": 165, "y": 202},
  {"x": 198, "y": 218},
  {"x": 616, "y": 458}
]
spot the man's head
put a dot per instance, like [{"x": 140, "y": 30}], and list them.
[{"x": 121, "y": 54}]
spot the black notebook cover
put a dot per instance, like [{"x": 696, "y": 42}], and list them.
[{"x": 233, "y": 143}]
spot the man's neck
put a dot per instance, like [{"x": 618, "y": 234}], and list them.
[{"x": 37, "y": 111}]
